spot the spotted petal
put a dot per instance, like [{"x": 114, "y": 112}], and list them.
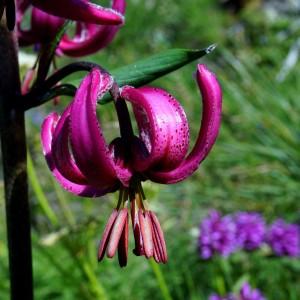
[
  {"x": 162, "y": 125},
  {"x": 80, "y": 10},
  {"x": 210, "y": 124}
]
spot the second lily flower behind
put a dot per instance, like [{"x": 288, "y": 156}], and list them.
[{"x": 84, "y": 164}]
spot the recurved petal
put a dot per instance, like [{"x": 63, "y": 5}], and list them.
[
  {"x": 91, "y": 153},
  {"x": 48, "y": 128},
  {"x": 61, "y": 154},
  {"x": 44, "y": 26},
  {"x": 162, "y": 126},
  {"x": 210, "y": 124},
  {"x": 80, "y": 10},
  {"x": 90, "y": 39}
]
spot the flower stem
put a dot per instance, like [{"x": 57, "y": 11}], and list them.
[
  {"x": 160, "y": 280},
  {"x": 13, "y": 141}
]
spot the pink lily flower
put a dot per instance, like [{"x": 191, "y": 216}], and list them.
[
  {"x": 89, "y": 37},
  {"x": 43, "y": 27},
  {"x": 80, "y": 10},
  {"x": 84, "y": 164}
]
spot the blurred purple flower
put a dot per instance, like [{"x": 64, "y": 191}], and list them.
[
  {"x": 217, "y": 297},
  {"x": 284, "y": 238},
  {"x": 247, "y": 293},
  {"x": 217, "y": 235},
  {"x": 251, "y": 230}
]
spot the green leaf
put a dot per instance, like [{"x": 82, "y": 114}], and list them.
[
  {"x": 149, "y": 69},
  {"x": 156, "y": 66},
  {"x": 137, "y": 74}
]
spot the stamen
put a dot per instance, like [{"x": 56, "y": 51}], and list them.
[
  {"x": 156, "y": 252},
  {"x": 146, "y": 231},
  {"x": 159, "y": 237},
  {"x": 148, "y": 236},
  {"x": 123, "y": 246},
  {"x": 106, "y": 234},
  {"x": 116, "y": 232},
  {"x": 138, "y": 250}
]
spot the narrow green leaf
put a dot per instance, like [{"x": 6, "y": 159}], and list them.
[
  {"x": 160, "y": 279},
  {"x": 149, "y": 69},
  {"x": 156, "y": 66},
  {"x": 39, "y": 193},
  {"x": 137, "y": 74}
]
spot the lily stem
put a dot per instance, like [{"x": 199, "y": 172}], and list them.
[{"x": 13, "y": 142}]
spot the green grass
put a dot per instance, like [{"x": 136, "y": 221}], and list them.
[{"x": 255, "y": 165}]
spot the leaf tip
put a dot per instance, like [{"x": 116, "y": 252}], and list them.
[{"x": 211, "y": 48}]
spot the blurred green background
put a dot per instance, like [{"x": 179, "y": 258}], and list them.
[{"x": 255, "y": 164}]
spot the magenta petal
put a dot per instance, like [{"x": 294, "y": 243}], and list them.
[
  {"x": 211, "y": 120},
  {"x": 22, "y": 4},
  {"x": 90, "y": 150},
  {"x": 163, "y": 128},
  {"x": 43, "y": 27},
  {"x": 47, "y": 131},
  {"x": 80, "y": 10},
  {"x": 62, "y": 157},
  {"x": 91, "y": 38},
  {"x": 117, "y": 149}
]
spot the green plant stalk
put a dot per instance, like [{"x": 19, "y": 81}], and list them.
[
  {"x": 94, "y": 281},
  {"x": 226, "y": 270},
  {"x": 96, "y": 286},
  {"x": 86, "y": 271},
  {"x": 13, "y": 142},
  {"x": 160, "y": 280},
  {"x": 68, "y": 214},
  {"x": 40, "y": 195}
]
